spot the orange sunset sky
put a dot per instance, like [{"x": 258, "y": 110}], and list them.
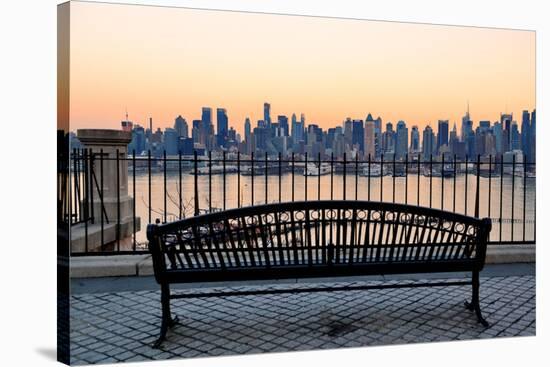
[{"x": 163, "y": 62}]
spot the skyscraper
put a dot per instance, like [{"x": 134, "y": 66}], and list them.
[
  {"x": 415, "y": 140},
  {"x": 515, "y": 137},
  {"x": 206, "y": 117},
  {"x": 378, "y": 136},
  {"x": 247, "y": 136},
  {"x": 526, "y": 134},
  {"x": 388, "y": 139},
  {"x": 294, "y": 128},
  {"x": 506, "y": 122},
  {"x": 299, "y": 129},
  {"x": 442, "y": 133},
  {"x": 247, "y": 128},
  {"x": 369, "y": 140},
  {"x": 171, "y": 138},
  {"x": 467, "y": 125},
  {"x": 401, "y": 140},
  {"x": 497, "y": 132},
  {"x": 348, "y": 132},
  {"x": 484, "y": 125},
  {"x": 223, "y": 123},
  {"x": 267, "y": 114},
  {"x": 180, "y": 125},
  {"x": 427, "y": 143},
  {"x": 283, "y": 124},
  {"x": 358, "y": 134},
  {"x": 223, "y": 126}
]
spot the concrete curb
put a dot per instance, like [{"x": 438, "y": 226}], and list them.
[
  {"x": 141, "y": 265},
  {"x": 505, "y": 254},
  {"x": 106, "y": 266}
]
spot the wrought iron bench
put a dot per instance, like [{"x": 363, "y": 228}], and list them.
[{"x": 316, "y": 239}]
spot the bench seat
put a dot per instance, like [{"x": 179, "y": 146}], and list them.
[{"x": 316, "y": 239}]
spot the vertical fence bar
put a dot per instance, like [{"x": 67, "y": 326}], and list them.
[
  {"x": 265, "y": 177},
  {"x": 210, "y": 181},
  {"x": 406, "y": 178},
  {"x": 476, "y": 208},
  {"x": 490, "y": 186},
  {"x": 319, "y": 177},
  {"x": 280, "y": 176},
  {"x": 394, "y": 174},
  {"x": 74, "y": 210},
  {"x": 117, "y": 199},
  {"x": 305, "y": 178},
  {"x": 534, "y": 210},
  {"x": 224, "y": 181},
  {"x": 442, "y": 179},
  {"x": 164, "y": 164},
  {"x": 356, "y": 176},
  {"x": 524, "y": 192},
  {"x": 101, "y": 197},
  {"x": 466, "y": 188},
  {"x": 368, "y": 178},
  {"x": 513, "y": 194},
  {"x": 381, "y": 177},
  {"x": 134, "y": 200},
  {"x": 238, "y": 179},
  {"x": 91, "y": 183},
  {"x": 344, "y": 179},
  {"x": 418, "y": 180},
  {"x": 149, "y": 181},
  {"x": 252, "y": 178},
  {"x": 292, "y": 181},
  {"x": 180, "y": 201},
  {"x": 331, "y": 176},
  {"x": 431, "y": 178},
  {"x": 196, "y": 182},
  {"x": 86, "y": 181},
  {"x": 501, "y": 185},
  {"x": 454, "y": 183}
]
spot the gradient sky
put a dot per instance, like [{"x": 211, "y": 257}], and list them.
[{"x": 163, "y": 62}]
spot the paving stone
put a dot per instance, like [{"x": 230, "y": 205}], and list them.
[{"x": 121, "y": 326}]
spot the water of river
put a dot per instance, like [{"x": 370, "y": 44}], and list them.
[{"x": 518, "y": 220}]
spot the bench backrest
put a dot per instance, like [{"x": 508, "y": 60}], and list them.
[{"x": 318, "y": 233}]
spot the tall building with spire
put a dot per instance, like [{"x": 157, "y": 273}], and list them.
[{"x": 467, "y": 125}]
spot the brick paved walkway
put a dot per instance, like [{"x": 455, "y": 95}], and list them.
[{"x": 110, "y": 327}]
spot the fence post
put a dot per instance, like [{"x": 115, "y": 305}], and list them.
[
  {"x": 110, "y": 203},
  {"x": 196, "y": 183},
  {"x": 476, "y": 212}
]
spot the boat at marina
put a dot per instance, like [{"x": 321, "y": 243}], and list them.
[
  {"x": 214, "y": 169},
  {"x": 313, "y": 169},
  {"x": 375, "y": 171}
]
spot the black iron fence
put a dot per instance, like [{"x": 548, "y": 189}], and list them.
[{"x": 169, "y": 188}]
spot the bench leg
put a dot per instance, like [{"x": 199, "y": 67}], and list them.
[
  {"x": 167, "y": 320},
  {"x": 474, "y": 304}
]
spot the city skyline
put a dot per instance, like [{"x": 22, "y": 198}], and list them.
[
  {"x": 366, "y": 138},
  {"x": 330, "y": 70}
]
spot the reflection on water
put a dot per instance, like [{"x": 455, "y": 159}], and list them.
[{"x": 518, "y": 220}]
